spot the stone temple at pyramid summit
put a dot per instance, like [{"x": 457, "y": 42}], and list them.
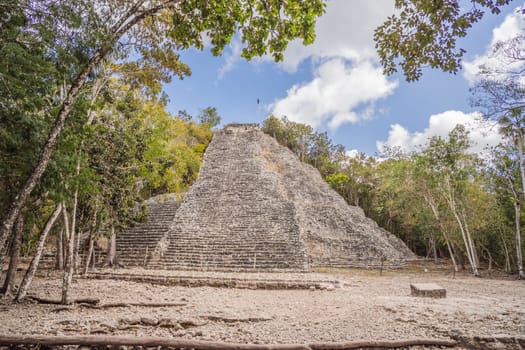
[{"x": 257, "y": 207}]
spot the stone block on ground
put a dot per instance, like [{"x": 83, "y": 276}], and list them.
[{"x": 429, "y": 290}]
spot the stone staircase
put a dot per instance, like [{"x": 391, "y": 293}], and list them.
[
  {"x": 234, "y": 217},
  {"x": 136, "y": 244}
]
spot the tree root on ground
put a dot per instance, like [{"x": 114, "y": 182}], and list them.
[{"x": 95, "y": 303}]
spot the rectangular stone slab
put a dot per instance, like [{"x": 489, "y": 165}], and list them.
[{"x": 430, "y": 290}]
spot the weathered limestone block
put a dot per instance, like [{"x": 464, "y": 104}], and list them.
[{"x": 430, "y": 290}]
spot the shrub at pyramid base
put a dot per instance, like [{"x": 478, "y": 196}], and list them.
[{"x": 257, "y": 207}]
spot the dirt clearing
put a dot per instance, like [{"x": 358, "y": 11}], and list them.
[{"x": 364, "y": 306}]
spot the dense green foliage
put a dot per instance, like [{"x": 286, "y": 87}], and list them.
[{"x": 424, "y": 33}]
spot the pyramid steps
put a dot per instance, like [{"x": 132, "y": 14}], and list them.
[{"x": 135, "y": 244}]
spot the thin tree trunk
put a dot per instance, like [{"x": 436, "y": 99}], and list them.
[
  {"x": 470, "y": 240},
  {"x": 73, "y": 228},
  {"x": 91, "y": 242},
  {"x": 468, "y": 247},
  {"x": 97, "y": 86},
  {"x": 506, "y": 251},
  {"x": 89, "y": 253},
  {"x": 28, "y": 277},
  {"x": 489, "y": 269},
  {"x": 14, "y": 256},
  {"x": 521, "y": 159},
  {"x": 519, "y": 258},
  {"x": 112, "y": 248},
  {"x": 60, "y": 250},
  {"x": 517, "y": 217},
  {"x": 432, "y": 205},
  {"x": 78, "y": 247},
  {"x": 68, "y": 268}
]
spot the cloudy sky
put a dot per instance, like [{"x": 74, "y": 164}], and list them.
[{"x": 336, "y": 84}]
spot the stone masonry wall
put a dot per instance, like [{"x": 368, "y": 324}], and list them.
[{"x": 256, "y": 207}]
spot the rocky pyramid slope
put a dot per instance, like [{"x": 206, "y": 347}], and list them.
[{"x": 255, "y": 206}]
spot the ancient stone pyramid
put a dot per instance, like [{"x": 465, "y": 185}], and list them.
[{"x": 256, "y": 207}]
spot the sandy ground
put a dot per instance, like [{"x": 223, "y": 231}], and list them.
[{"x": 366, "y": 306}]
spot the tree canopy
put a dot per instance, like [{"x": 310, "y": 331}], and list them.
[{"x": 425, "y": 33}]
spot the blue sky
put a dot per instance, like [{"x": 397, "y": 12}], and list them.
[{"x": 336, "y": 84}]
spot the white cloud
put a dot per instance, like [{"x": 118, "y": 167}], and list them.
[
  {"x": 231, "y": 57},
  {"x": 337, "y": 90},
  {"x": 483, "y": 133},
  {"x": 353, "y": 153},
  {"x": 346, "y": 30},
  {"x": 512, "y": 26}
]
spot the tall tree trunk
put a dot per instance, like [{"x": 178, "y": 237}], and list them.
[
  {"x": 521, "y": 159},
  {"x": 468, "y": 247},
  {"x": 470, "y": 240},
  {"x": 430, "y": 201},
  {"x": 97, "y": 87},
  {"x": 90, "y": 253},
  {"x": 14, "y": 256},
  {"x": 506, "y": 251},
  {"x": 517, "y": 223},
  {"x": 519, "y": 258},
  {"x": 489, "y": 269},
  {"x": 133, "y": 16},
  {"x": 77, "y": 259},
  {"x": 449, "y": 195},
  {"x": 68, "y": 268},
  {"x": 60, "y": 250},
  {"x": 30, "y": 273},
  {"x": 73, "y": 227}
]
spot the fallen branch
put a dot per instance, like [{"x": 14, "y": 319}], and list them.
[
  {"x": 95, "y": 303},
  {"x": 111, "y": 305},
  {"x": 384, "y": 344},
  {"x": 62, "y": 308},
  {"x": 233, "y": 320},
  {"x": 88, "y": 301},
  {"x": 163, "y": 322},
  {"x": 208, "y": 345}
]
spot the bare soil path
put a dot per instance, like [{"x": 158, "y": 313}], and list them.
[{"x": 366, "y": 306}]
